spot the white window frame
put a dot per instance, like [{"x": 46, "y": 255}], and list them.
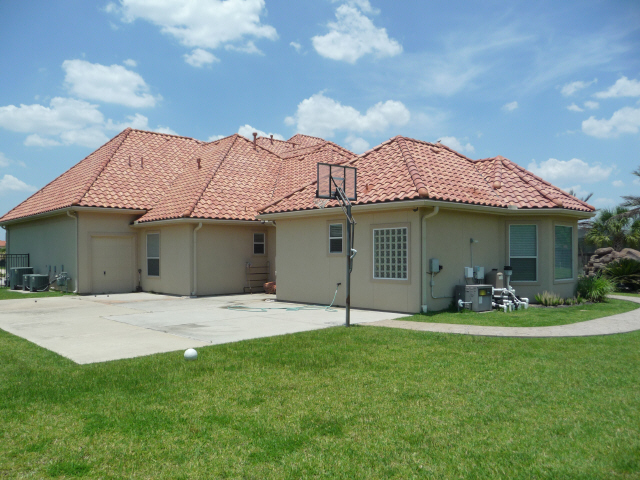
[
  {"x": 518, "y": 256},
  {"x": 263, "y": 243},
  {"x": 572, "y": 254},
  {"x": 406, "y": 248},
  {"x": 341, "y": 237},
  {"x": 152, "y": 258}
]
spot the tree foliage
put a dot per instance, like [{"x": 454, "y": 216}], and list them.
[{"x": 612, "y": 228}]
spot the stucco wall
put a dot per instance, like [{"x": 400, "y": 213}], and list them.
[
  {"x": 92, "y": 224},
  {"x": 308, "y": 273},
  {"x": 176, "y": 247},
  {"x": 50, "y": 242},
  {"x": 223, "y": 252}
]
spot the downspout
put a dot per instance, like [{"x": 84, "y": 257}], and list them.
[
  {"x": 77, "y": 253},
  {"x": 425, "y": 280},
  {"x": 195, "y": 260}
]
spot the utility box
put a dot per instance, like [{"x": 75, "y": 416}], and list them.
[
  {"x": 478, "y": 273},
  {"x": 468, "y": 273},
  {"x": 15, "y": 277},
  {"x": 476, "y": 297},
  {"x": 434, "y": 265},
  {"x": 495, "y": 278}
]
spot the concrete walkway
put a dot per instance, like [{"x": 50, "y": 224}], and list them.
[{"x": 620, "y": 323}]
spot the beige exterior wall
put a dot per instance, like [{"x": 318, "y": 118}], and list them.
[
  {"x": 307, "y": 272},
  {"x": 50, "y": 243},
  {"x": 224, "y": 251},
  {"x": 101, "y": 224}
]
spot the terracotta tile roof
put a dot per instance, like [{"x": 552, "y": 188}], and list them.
[
  {"x": 179, "y": 177},
  {"x": 406, "y": 169},
  {"x": 3, "y": 243}
]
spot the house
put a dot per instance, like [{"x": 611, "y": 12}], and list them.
[
  {"x": 176, "y": 215},
  {"x": 419, "y": 201}
]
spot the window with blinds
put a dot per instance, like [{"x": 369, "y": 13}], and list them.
[
  {"x": 390, "y": 253},
  {"x": 335, "y": 238},
  {"x": 563, "y": 253},
  {"x": 523, "y": 252},
  {"x": 259, "y": 244},
  {"x": 153, "y": 254}
]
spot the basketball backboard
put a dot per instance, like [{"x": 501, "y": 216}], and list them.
[{"x": 332, "y": 176}]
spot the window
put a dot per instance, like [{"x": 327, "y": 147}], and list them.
[
  {"x": 390, "y": 253},
  {"x": 335, "y": 238},
  {"x": 153, "y": 254},
  {"x": 564, "y": 253},
  {"x": 258, "y": 244},
  {"x": 523, "y": 252}
]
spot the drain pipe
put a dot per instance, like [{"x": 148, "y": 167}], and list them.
[
  {"x": 75, "y": 217},
  {"x": 195, "y": 259},
  {"x": 425, "y": 295}
]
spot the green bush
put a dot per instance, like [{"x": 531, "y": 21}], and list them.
[
  {"x": 549, "y": 299},
  {"x": 595, "y": 289},
  {"x": 624, "y": 273}
]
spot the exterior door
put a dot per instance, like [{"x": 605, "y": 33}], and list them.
[{"x": 113, "y": 265}]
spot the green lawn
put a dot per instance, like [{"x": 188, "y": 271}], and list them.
[
  {"x": 532, "y": 317},
  {"x": 626, "y": 294},
  {"x": 8, "y": 294},
  {"x": 363, "y": 402}
]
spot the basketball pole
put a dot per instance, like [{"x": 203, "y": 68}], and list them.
[{"x": 349, "y": 263}]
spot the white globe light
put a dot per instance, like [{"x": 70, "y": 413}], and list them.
[{"x": 190, "y": 354}]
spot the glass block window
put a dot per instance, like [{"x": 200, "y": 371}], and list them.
[
  {"x": 390, "y": 253},
  {"x": 153, "y": 254},
  {"x": 335, "y": 238},
  {"x": 563, "y": 253},
  {"x": 258, "y": 244},
  {"x": 523, "y": 252}
]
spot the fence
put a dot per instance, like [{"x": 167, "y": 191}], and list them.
[{"x": 9, "y": 261}]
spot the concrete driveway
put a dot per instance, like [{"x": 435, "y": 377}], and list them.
[{"x": 88, "y": 329}]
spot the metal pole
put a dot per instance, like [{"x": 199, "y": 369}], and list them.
[{"x": 349, "y": 246}]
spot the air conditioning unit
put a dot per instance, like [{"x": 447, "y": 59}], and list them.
[
  {"x": 15, "y": 277},
  {"x": 474, "y": 297},
  {"x": 38, "y": 282}
]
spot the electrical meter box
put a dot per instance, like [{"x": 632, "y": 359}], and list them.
[
  {"x": 434, "y": 265},
  {"x": 468, "y": 273},
  {"x": 478, "y": 273},
  {"x": 476, "y": 297}
]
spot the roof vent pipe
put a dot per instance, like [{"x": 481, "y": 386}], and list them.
[
  {"x": 271, "y": 139},
  {"x": 255, "y": 139}
]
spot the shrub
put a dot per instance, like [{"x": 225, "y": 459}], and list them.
[
  {"x": 549, "y": 299},
  {"x": 624, "y": 273},
  {"x": 595, "y": 289}
]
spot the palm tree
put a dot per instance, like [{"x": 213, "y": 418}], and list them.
[
  {"x": 633, "y": 201},
  {"x": 584, "y": 199},
  {"x": 613, "y": 229}
]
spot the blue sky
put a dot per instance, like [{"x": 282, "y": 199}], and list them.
[{"x": 553, "y": 86}]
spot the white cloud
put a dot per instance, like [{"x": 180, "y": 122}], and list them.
[
  {"x": 202, "y": 23},
  {"x": 130, "y": 63},
  {"x": 247, "y": 132},
  {"x": 4, "y": 161},
  {"x": 363, "y": 5},
  {"x": 554, "y": 170},
  {"x": 248, "y": 47},
  {"x": 297, "y": 46},
  {"x": 9, "y": 183},
  {"x": 356, "y": 144},
  {"x": 617, "y": 183},
  {"x": 510, "y": 107},
  {"x": 622, "y": 88},
  {"x": 457, "y": 145},
  {"x": 35, "y": 140},
  {"x": 571, "y": 88},
  {"x": 625, "y": 120},
  {"x": 322, "y": 116},
  {"x": 603, "y": 202},
  {"x": 577, "y": 190},
  {"x": 112, "y": 84},
  {"x": 636, "y": 181},
  {"x": 591, "y": 105},
  {"x": 199, "y": 57},
  {"x": 72, "y": 122},
  {"x": 213, "y": 138},
  {"x": 354, "y": 35},
  {"x": 575, "y": 108}
]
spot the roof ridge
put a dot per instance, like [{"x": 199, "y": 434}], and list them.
[
  {"x": 89, "y": 184},
  {"x": 175, "y": 135},
  {"x": 421, "y": 187},
  {"x": 189, "y": 211},
  {"x": 557, "y": 201}
]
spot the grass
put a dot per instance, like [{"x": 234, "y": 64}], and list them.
[
  {"x": 337, "y": 403},
  {"x": 627, "y": 294},
  {"x": 532, "y": 317},
  {"x": 8, "y": 294}
]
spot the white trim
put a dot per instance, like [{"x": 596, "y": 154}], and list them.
[
  {"x": 62, "y": 211},
  {"x": 263, "y": 243},
  {"x": 537, "y": 257},
  {"x": 341, "y": 237},
  {"x": 196, "y": 221}
]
